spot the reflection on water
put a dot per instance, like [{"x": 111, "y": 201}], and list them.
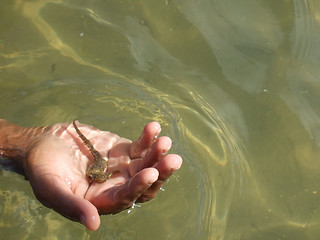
[{"x": 234, "y": 84}]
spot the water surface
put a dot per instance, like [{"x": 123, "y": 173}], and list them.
[{"x": 235, "y": 84}]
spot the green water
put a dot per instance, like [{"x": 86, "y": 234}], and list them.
[{"x": 234, "y": 83}]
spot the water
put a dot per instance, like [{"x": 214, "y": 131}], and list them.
[{"x": 235, "y": 84}]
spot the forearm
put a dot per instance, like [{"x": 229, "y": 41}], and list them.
[{"x": 15, "y": 139}]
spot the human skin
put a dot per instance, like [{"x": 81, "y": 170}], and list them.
[{"x": 55, "y": 160}]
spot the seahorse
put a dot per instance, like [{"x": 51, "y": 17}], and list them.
[{"x": 98, "y": 171}]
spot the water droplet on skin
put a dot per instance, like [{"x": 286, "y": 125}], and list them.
[{"x": 69, "y": 180}]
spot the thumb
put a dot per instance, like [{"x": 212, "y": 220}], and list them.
[
  {"x": 78, "y": 209},
  {"x": 57, "y": 195}
]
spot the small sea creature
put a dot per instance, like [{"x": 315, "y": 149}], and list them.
[{"x": 97, "y": 172}]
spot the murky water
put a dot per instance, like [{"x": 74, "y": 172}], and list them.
[{"x": 234, "y": 83}]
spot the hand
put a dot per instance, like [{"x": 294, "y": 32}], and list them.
[{"x": 57, "y": 161}]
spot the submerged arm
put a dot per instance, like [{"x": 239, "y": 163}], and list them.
[{"x": 15, "y": 140}]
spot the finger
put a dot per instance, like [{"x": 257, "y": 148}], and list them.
[
  {"x": 56, "y": 194},
  {"x": 156, "y": 153},
  {"x": 166, "y": 167},
  {"x": 125, "y": 195},
  {"x": 149, "y": 134}
]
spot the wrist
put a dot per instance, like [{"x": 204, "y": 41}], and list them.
[{"x": 15, "y": 140}]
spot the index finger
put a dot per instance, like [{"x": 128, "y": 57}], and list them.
[{"x": 149, "y": 134}]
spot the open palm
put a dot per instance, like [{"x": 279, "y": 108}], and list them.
[{"x": 58, "y": 159}]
